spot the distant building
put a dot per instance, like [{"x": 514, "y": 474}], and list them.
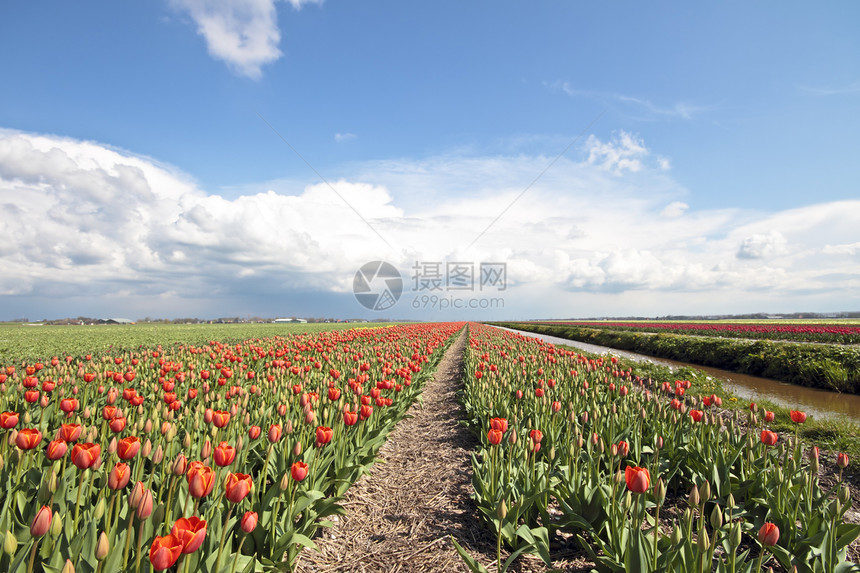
[
  {"x": 290, "y": 320},
  {"x": 116, "y": 321}
]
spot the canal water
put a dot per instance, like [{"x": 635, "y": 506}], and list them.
[{"x": 810, "y": 400}]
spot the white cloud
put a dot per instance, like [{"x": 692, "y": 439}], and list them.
[
  {"x": 89, "y": 221},
  {"x": 242, "y": 33},
  {"x": 681, "y": 109},
  {"x": 848, "y": 249},
  {"x": 341, "y": 137},
  {"x": 624, "y": 152},
  {"x": 674, "y": 209},
  {"x": 762, "y": 246}
]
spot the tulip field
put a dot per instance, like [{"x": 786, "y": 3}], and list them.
[
  {"x": 644, "y": 475},
  {"x": 836, "y": 332},
  {"x": 215, "y": 458},
  {"x": 231, "y": 456}
]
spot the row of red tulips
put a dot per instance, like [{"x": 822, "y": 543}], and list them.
[
  {"x": 234, "y": 453},
  {"x": 584, "y": 445}
]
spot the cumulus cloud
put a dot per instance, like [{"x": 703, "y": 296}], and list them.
[
  {"x": 623, "y": 152},
  {"x": 761, "y": 246},
  {"x": 84, "y": 220},
  {"x": 242, "y": 33},
  {"x": 341, "y": 137}
]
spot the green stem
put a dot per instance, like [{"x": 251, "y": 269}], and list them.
[
  {"x": 223, "y": 536},
  {"x": 236, "y": 558},
  {"x": 139, "y": 543},
  {"x": 32, "y": 556},
  {"x": 78, "y": 501},
  {"x": 128, "y": 535}
]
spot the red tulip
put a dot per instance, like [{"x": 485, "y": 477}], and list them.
[
  {"x": 191, "y": 531},
  {"x": 41, "y": 522},
  {"x": 201, "y": 479},
  {"x": 85, "y": 455},
  {"x": 768, "y": 534},
  {"x": 69, "y": 405},
  {"x": 500, "y": 424},
  {"x": 366, "y": 411},
  {"x": 697, "y": 415},
  {"x": 28, "y": 438},
  {"x": 494, "y": 437},
  {"x": 350, "y": 418},
  {"x": 119, "y": 476},
  {"x": 117, "y": 425},
  {"x": 798, "y": 417},
  {"x": 536, "y": 436},
  {"x": 9, "y": 420},
  {"x": 254, "y": 432},
  {"x": 842, "y": 460},
  {"x": 237, "y": 487},
  {"x": 220, "y": 418},
  {"x": 128, "y": 447},
  {"x": 275, "y": 433},
  {"x": 324, "y": 435},
  {"x": 249, "y": 521},
  {"x": 164, "y": 552},
  {"x": 623, "y": 448},
  {"x": 768, "y": 416},
  {"x": 144, "y": 506},
  {"x": 638, "y": 479},
  {"x": 769, "y": 438},
  {"x": 224, "y": 454},
  {"x": 333, "y": 394},
  {"x": 70, "y": 432},
  {"x": 299, "y": 471},
  {"x": 56, "y": 449}
]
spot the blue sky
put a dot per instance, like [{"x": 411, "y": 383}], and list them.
[{"x": 709, "y": 160}]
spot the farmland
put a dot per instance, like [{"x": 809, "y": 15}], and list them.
[
  {"x": 223, "y": 449},
  {"x": 833, "y": 332},
  {"x": 818, "y": 365}
]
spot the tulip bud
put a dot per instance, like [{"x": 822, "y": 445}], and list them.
[
  {"x": 158, "y": 514},
  {"x": 100, "y": 509},
  {"x": 69, "y": 567},
  {"x": 844, "y": 495},
  {"x": 146, "y": 449},
  {"x": 136, "y": 495},
  {"x": 716, "y": 517},
  {"x": 10, "y": 543},
  {"x": 144, "y": 508},
  {"x": 704, "y": 542},
  {"x": 676, "y": 535},
  {"x": 297, "y": 449},
  {"x": 158, "y": 455},
  {"x": 660, "y": 491},
  {"x": 249, "y": 521},
  {"x": 735, "y": 536},
  {"x": 693, "y": 498},
  {"x": 102, "y": 547},
  {"x": 285, "y": 482},
  {"x": 705, "y": 491},
  {"x": 502, "y": 510},
  {"x": 41, "y": 522}
]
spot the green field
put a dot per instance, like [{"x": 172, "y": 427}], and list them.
[{"x": 23, "y": 342}]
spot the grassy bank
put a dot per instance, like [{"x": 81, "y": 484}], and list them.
[{"x": 824, "y": 366}]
